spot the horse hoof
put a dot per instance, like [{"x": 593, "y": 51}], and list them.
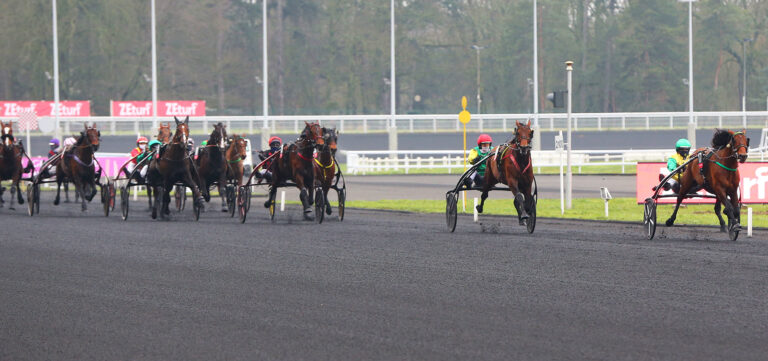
[
  {"x": 307, "y": 210},
  {"x": 670, "y": 222},
  {"x": 55, "y": 202},
  {"x": 723, "y": 229},
  {"x": 328, "y": 211},
  {"x": 21, "y": 201},
  {"x": 225, "y": 209},
  {"x": 11, "y": 208},
  {"x": 479, "y": 209},
  {"x": 266, "y": 204}
]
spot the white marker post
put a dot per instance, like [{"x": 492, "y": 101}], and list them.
[
  {"x": 474, "y": 209},
  {"x": 749, "y": 222},
  {"x": 282, "y": 201},
  {"x": 606, "y": 196}
]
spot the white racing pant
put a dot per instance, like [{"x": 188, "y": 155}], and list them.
[{"x": 131, "y": 166}]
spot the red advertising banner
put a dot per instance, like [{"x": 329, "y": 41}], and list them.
[
  {"x": 166, "y": 108},
  {"x": 74, "y": 108},
  {"x": 753, "y": 186}
]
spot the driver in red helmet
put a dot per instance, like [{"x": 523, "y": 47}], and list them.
[
  {"x": 141, "y": 146},
  {"x": 275, "y": 143},
  {"x": 476, "y": 154}
]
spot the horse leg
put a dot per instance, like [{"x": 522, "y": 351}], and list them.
[
  {"x": 66, "y": 192},
  {"x": 686, "y": 183},
  {"x": 2, "y": 190},
  {"x": 719, "y": 217},
  {"x": 271, "y": 198},
  {"x": 149, "y": 196},
  {"x": 58, "y": 191},
  {"x": 187, "y": 178},
  {"x": 166, "y": 193},
  {"x": 671, "y": 220},
  {"x": 13, "y": 194},
  {"x": 80, "y": 190},
  {"x": 328, "y": 209},
  {"x": 735, "y": 210},
  {"x": 223, "y": 194},
  {"x": 157, "y": 202},
  {"x": 18, "y": 190}
]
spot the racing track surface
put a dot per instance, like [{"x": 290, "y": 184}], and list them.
[{"x": 379, "y": 286}]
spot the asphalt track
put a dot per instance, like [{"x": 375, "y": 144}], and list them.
[{"x": 378, "y": 286}]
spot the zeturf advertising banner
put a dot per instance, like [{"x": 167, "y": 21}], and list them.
[
  {"x": 753, "y": 187},
  {"x": 74, "y": 108},
  {"x": 166, "y": 108}
]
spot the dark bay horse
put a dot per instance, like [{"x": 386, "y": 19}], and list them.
[
  {"x": 164, "y": 133},
  {"x": 77, "y": 165},
  {"x": 212, "y": 164},
  {"x": 10, "y": 163},
  {"x": 173, "y": 164},
  {"x": 716, "y": 170},
  {"x": 236, "y": 154},
  {"x": 325, "y": 164},
  {"x": 295, "y": 163},
  {"x": 510, "y": 164}
]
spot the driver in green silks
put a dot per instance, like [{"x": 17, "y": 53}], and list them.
[
  {"x": 682, "y": 148},
  {"x": 476, "y": 154}
]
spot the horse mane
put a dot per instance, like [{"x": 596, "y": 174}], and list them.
[{"x": 721, "y": 138}]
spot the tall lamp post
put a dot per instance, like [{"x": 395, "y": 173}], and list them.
[
  {"x": 744, "y": 80},
  {"x": 691, "y": 123},
  {"x": 154, "y": 69},
  {"x": 479, "y": 98},
  {"x": 56, "y": 72},
  {"x": 265, "y": 73},
  {"x": 393, "y": 87},
  {"x": 537, "y": 133}
]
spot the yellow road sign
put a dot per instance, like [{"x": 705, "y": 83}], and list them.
[{"x": 464, "y": 116}]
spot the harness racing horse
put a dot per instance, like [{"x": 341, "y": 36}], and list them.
[
  {"x": 172, "y": 164},
  {"x": 77, "y": 165},
  {"x": 325, "y": 164},
  {"x": 295, "y": 163},
  {"x": 510, "y": 164},
  {"x": 716, "y": 170},
  {"x": 236, "y": 154},
  {"x": 10, "y": 163},
  {"x": 164, "y": 133},
  {"x": 212, "y": 165}
]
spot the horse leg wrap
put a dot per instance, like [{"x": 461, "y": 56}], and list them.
[
  {"x": 520, "y": 204},
  {"x": 304, "y": 196}
]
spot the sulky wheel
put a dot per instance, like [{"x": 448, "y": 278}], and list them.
[
  {"x": 733, "y": 229},
  {"x": 33, "y": 200},
  {"x": 342, "y": 193},
  {"x": 231, "y": 200},
  {"x": 105, "y": 199},
  {"x": 242, "y": 203},
  {"x": 649, "y": 217},
  {"x": 319, "y": 205},
  {"x": 530, "y": 223},
  {"x": 248, "y": 192},
  {"x": 180, "y": 195},
  {"x": 112, "y": 196},
  {"x": 451, "y": 199},
  {"x": 125, "y": 196}
]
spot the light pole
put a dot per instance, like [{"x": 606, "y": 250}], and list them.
[
  {"x": 569, "y": 187},
  {"x": 744, "y": 80},
  {"x": 154, "y": 70},
  {"x": 477, "y": 52},
  {"x": 536, "y": 133},
  {"x": 691, "y": 123},
  {"x": 393, "y": 81},
  {"x": 56, "y": 72},
  {"x": 265, "y": 73}
]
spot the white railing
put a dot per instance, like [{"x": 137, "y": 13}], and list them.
[
  {"x": 362, "y": 162},
  {"x": 434, "y": 122}
]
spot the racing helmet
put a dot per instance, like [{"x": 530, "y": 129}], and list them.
[
  {"x": 142, "y": 140},
  {"x": 683, "y": 146},
  {"x": 54, "y": 141},
  {"x": 484, "y": 138}
]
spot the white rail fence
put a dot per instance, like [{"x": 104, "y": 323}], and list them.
[
  {"x": 435, "y": 122},
  {"x": 362, "y": 162}
]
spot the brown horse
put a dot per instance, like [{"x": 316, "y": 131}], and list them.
[
  {"x": 236, "y": 154},
  {"x": 164, "y": 133},
  {"x": 173, "y": 164},
  {"x": 325, "y": 164},
  {"x": 295, "y": 163},
  {"x": 212, "y": 164},
  {"x": 77, "y": 165},
  {"x": 716, "y": 170},
  {"x": 510, "y": 164},
  {"x": 10, "y": 163}
]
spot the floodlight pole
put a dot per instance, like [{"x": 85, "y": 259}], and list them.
[
  {"x": 691, "y": 122},
  {"x": 154, "y": 68},
  {"x": 392, "y": 82},
  {"x": 56, "y": 73},
  {"x": 265, "y": 131},
  {"x": 569, "y": 189},
  {"x": 536, "y": 133}
]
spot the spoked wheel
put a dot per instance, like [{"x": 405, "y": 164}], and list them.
[
  {"x": 649, "y": 218},
  {"x": 242, "y": 203},
  {"x": 248, "y": 192},
  {"x": 451, "y": 199},
  {"x": 33, "y": 199},
  {"x": 231, "y": 200},
  {"x": 125, "y": 196},
  {"x": 112, "y": 196},
  {"x": 105, "y": 199},
  {"x": 272, "y": 210},
  {"x": 530, "y": 224},
  {"x": 180, "y": 194},
  {"x": 342, "y": 193},
  {"x": 319, "y": 205},
  {"x": 733, "y": 229}
]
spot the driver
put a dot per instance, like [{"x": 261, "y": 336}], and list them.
[
  {"x": 275, "y": 143},
  {"x": 137, "y": 154},
  {"x": 682, "y": 148},
  {"x": 477, "y": 153}
]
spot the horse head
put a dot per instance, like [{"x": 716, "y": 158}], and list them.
[
  {"x": 740, "y": 144},
  {"x": 314, "y": 133},
  {"x": 218, "y": 135},
  {"x": 90, "y": 136},
  {"x": 182, "y": 131},
  {"x": 330, "y": 138},
  {"x": 523, "y": 136},
  {"x": 164, "y": 133},
  {"x": 7, "y": 132},
  {"x": 239, "y": 146}
]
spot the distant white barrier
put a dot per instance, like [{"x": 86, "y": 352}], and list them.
[{"x": 362, "y": 162}]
